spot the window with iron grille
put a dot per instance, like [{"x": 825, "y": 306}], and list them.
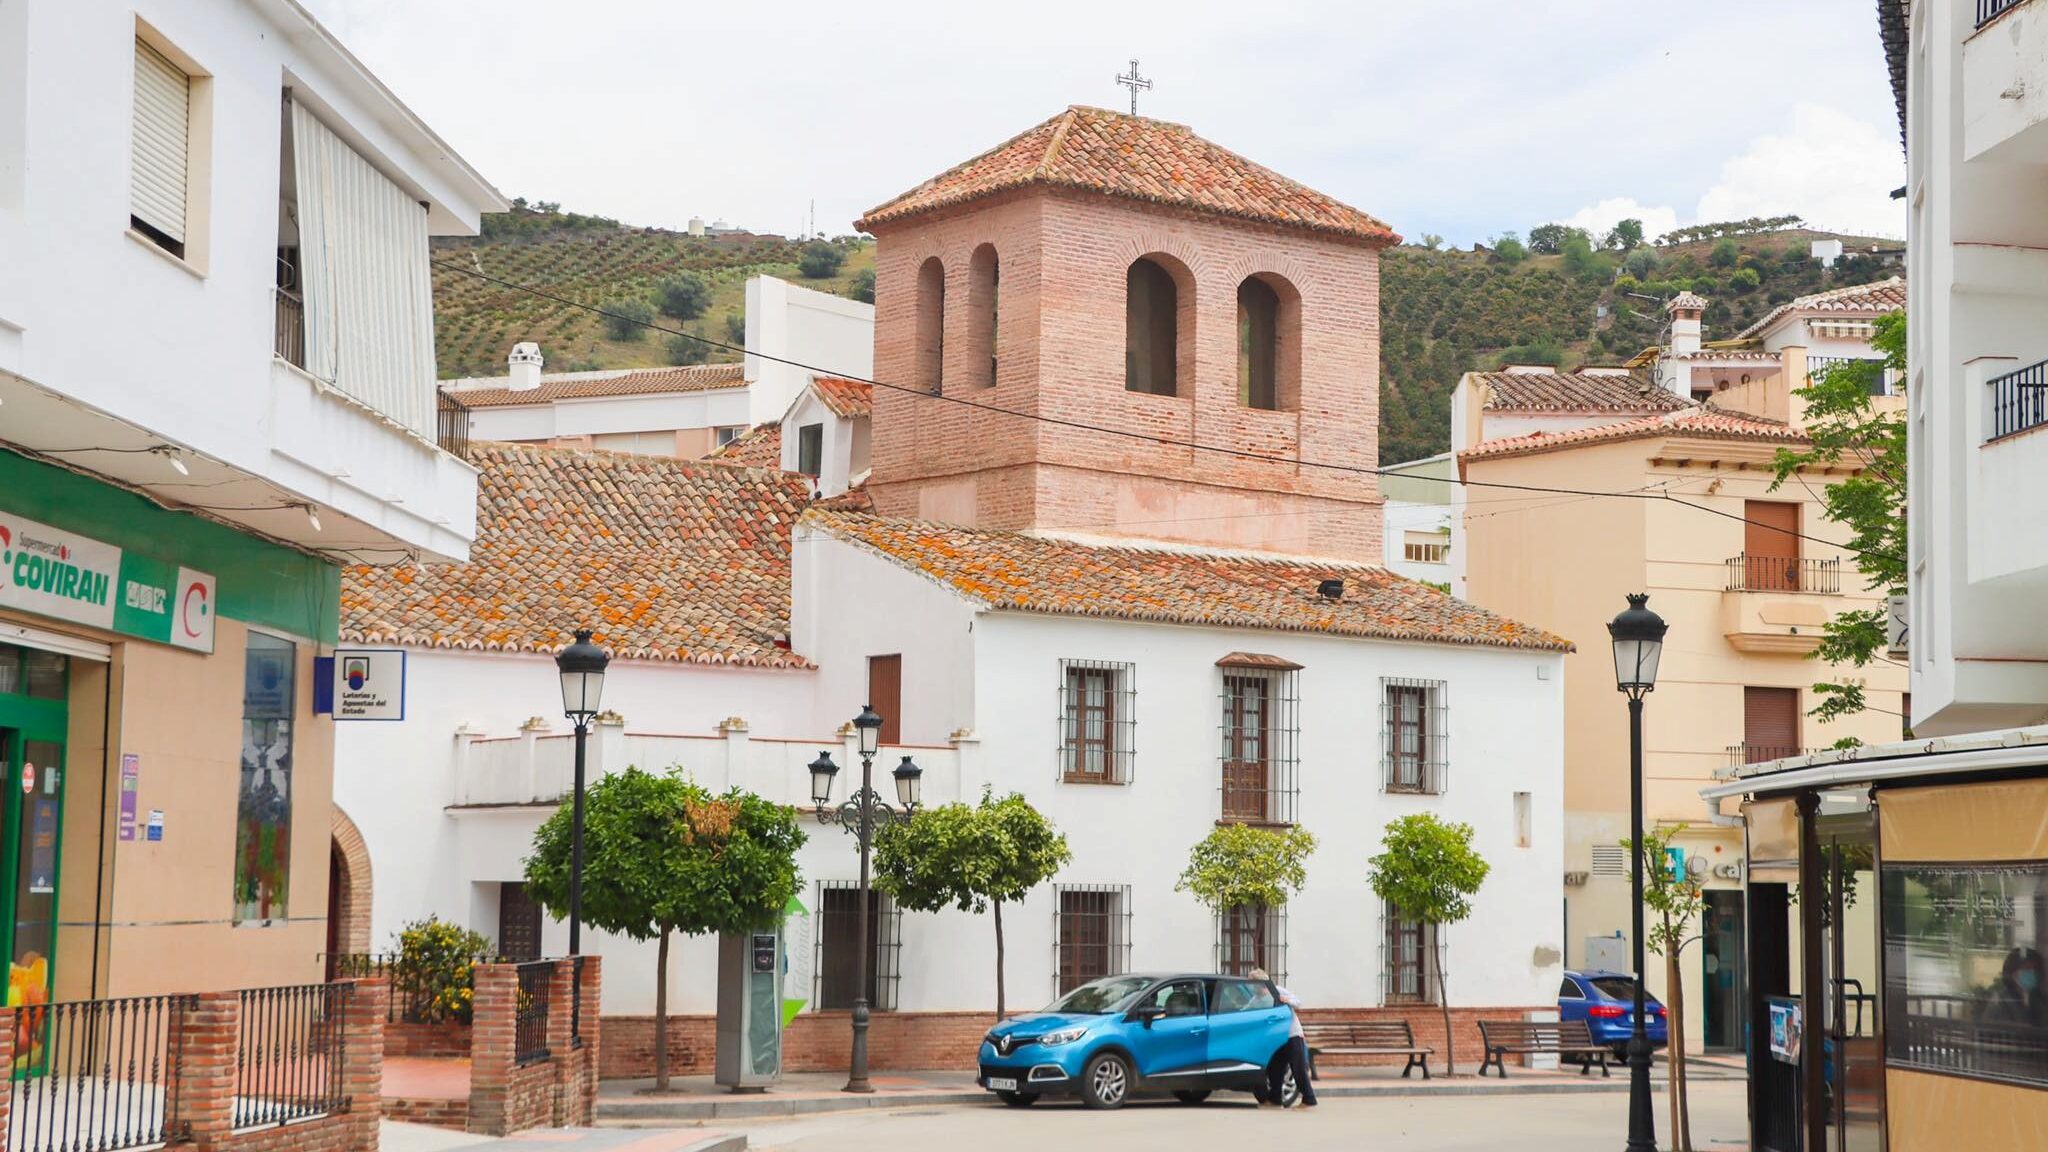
[
  {"x": 1098, "y": 721},
  {"x": 1414, "y": 735},
  {"x": 1260, "y": 727},
  {"x": 1249, "y": 936},
  {"x": 1091, "y": 933},
  {"x": 1407, "y": 959},
  {"x": 838, "y": 943}
]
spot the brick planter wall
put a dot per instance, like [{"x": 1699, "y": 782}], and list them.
[
  {"x": 446, "y": 1039},
  {"x": 556, "y": 1092},
  {"x": 925, "y": 1041}
]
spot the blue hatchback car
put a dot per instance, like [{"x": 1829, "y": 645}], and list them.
[
  {"x": 1113, "y": 1038},
  {"x": 1606, "y": 1002}
]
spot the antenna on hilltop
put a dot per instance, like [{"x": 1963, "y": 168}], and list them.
[{"x": 1135, "y": 83}]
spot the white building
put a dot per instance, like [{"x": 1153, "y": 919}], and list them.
[
  {"x": 794, "y": 333},
  {"x": 451, "y": 796},
  {"x": 216, "y": 385},
  {"x": 1418, "y": 517},
  {"x": 1977, "y": 155}
]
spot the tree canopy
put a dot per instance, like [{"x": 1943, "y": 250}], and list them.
[
  {"x": 683, "y": 296},
  {"x": 1428, "y": 872},
  {"x": 1243, "y": 865},
  {"x": 971, "y": 858}
]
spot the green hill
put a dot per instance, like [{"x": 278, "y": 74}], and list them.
[
  {"x": 1444, "y": 313},
  {"x": 595, "y": 260}
]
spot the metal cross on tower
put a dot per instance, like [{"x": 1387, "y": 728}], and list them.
[{"x": 1136, "y": 84}]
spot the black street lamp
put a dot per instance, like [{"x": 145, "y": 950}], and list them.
[
  {"x": 1638, "y": 636},
  {"x": 582, "y": 667},
  {"x": 863, "y": 815}
]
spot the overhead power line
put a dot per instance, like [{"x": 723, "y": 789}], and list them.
[{"x": 1146, "y": 437}]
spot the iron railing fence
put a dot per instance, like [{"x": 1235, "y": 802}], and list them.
[
  {"x": 451, "y": 424},
  {"x": 290, "y": 1058},
  {"x": 1747, "y": 753},
  {"x": 96, "y": 1075},
  {"x": 417, "y": 984},
  {"x": 2019, "y": 400},
  {"x": 1415, "y": 740},
  {"x": 1989, "y": 10},
  {"x": 290, "y": 343},
  {"x": 1749, "y": 572},
  {"x": 530, "y": 1024},
  {"x": 1249, "y": 936},
  {"x": 1091, "y": 933}
]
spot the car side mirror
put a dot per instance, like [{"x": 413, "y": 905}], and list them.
[{"x": 1147, "y": 1013}]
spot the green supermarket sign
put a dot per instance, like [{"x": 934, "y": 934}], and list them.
[{"x": 65, "y": 576}]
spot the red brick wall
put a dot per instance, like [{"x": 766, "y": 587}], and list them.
[
  {"x": 447, "y": 1039},
  {"x": 917, "y": 1041},
  {"x": 436, "y": 1112},
  {"x": 1064, "y": 258},
  {"x": 558, "y": 1091}
]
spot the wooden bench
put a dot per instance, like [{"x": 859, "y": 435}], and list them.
[
  {"x": 1365, "y": 1038},
  {"x": 1547, "y": 1038}
]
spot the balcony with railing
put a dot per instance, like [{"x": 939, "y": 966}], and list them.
[
  {"x": 2004, "y": 113},
  {"x": 2019, "y": 400},
  {"x": 1989, "y": 10},
  {"x": 1750, "y": 572},
  {"x": 451, "y": 430},
  {"x": 1779, "y": 603},
  {"x": 290, "y": 343},
  {"x": 1747, "y": 753}
]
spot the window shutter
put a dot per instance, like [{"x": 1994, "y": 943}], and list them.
[{"x": 156, "y": 180}]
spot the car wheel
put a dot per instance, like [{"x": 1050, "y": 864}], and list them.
[
  {"x": 1192, "y": 1095},
  {"x": 1018, "y": 1099},
  {"x": 1290, "y": 1092},
  {"x": 1106, "y": 1081}
]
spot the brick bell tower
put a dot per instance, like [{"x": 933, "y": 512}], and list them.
[{"x": 1116, "y": 271}]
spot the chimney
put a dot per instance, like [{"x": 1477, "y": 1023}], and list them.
[
  {"x": 524, "y": 366},
  {"x": 1685, "y": 310}
]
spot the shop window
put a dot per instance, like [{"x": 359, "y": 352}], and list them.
[
  {"x": 1966, "y": 993},
  {"x": 263, "y": 820}
]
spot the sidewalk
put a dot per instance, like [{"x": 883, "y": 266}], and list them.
[
  {"x": 696, "y": 1098},
  {"x": 396, "y": 1137}
]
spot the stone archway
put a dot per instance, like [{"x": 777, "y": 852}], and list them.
[{"x": 348, "y": 893}]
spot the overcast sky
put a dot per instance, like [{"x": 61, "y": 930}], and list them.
[{"x": 1458, "y": 117}]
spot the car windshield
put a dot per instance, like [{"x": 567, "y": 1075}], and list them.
[
  {"x": 1619, "y": 988},
  {"x": 1100, "y": 997}
]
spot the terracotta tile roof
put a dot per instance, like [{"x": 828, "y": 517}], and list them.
[
  {"x": 666, "y": 559},
  {"x": 1137, "y": 158},
  {"x": 1011, "y": 570},
  {"x": 1575, "y": 392},
  {"x": 757, "y": 447},
  {"x": 1875, "y": 299},
  {"x": 854, "y": 499},
  {"x": 1746, "y": 355},
  {"x": 1687, "y": 299},
  {"x": 848, "y": 399},
  {"x": 695, "y": 378},
  {"x": 1700, "y": 423}
]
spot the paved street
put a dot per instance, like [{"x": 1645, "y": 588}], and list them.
[{"x": 1532, "y": 1123}]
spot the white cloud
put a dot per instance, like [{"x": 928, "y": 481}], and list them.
[
  {"x": 1597, "y": 219},
  {"x": 1832, "y": 169}
]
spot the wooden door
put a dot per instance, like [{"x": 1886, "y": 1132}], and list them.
[
  {"x": 518, "y": 923},
  {"x": 885, "y": 695},
  {"x": 1770, "y": 723},
  {"x": 1770, "y": 545}
]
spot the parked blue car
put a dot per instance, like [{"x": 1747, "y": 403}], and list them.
[
  {"x": 1113, "y": 1038},
  {"x": 1606, "y": 1002}
]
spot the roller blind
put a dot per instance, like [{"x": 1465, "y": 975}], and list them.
[
  {"x": 369, "y": 301},
  {"x": 163, "y": 131}
]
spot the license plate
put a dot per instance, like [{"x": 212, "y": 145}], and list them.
[{"x": 1001, "y": 1084}]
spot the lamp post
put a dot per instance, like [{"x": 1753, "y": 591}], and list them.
[
  {"x": 1638, "y": 636},
  {"x": 862, "y": 815},
  {"x": 582, "y": 667}
]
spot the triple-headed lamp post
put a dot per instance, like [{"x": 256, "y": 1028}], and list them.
[
  {"x": 1638, "y": 636},
  {"x": 582, "y": 667},
  {"x": 862, "y": 815}
]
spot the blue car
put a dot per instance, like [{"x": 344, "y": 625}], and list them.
[
  {"x": 1606, "y": 1002},
  {"x": 1117, "y": 1037}
]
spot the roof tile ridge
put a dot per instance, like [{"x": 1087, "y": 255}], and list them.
[{"x": 1043, "y": 170}]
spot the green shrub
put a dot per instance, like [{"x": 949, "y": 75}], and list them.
[
  {"x": 736, "y": 328},
  {"x": 684, "y": 296},
  {"x": 863, "y": 286},
  {"x": 820, "y": 261},
  {"x": 1745, "y": 280},
  {"x": 627, "y": 319},
  {"x": 434, "y": 969},
  {"x": 1724, "y": 254},
  {"x": 683, "y": 350},
  {"x": 1508, "y": 249}
]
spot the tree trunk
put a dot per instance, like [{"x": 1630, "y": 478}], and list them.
[
  {"x": 1674, "y": 1012},
  {"x": 1443, "y": 1001},
  {"x": 661, "y": 1013},
  {"x": 999, "y": 961}
]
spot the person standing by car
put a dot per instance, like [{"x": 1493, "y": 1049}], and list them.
[{"x": 1297, "y": 1050}]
